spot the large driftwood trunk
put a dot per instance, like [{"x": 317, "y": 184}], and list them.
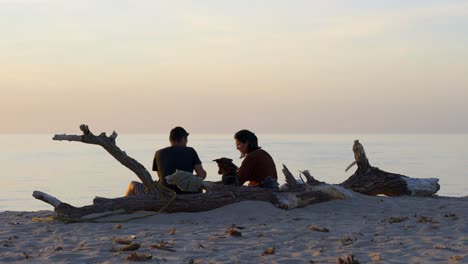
[
  {"x": 192, "y": 202},
  {"x": 373, "y": 181},
  {"x": 367, "y": 180}
]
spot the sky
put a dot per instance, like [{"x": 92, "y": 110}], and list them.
[{"x": 349, "y": 66}]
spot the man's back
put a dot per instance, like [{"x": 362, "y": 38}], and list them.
[{"x": 168, "y": 160}]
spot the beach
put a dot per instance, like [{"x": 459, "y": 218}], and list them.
[
  {"x": 331, "y": 131},
  {"x": 373, "y": 229}
]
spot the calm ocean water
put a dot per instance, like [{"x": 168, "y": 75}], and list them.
[{"x": 76, "y": 172}]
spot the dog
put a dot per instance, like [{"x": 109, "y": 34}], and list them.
[{"x": 229, "y": 171}]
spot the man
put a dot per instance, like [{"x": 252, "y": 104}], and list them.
[{"x": 175, "y": 157}]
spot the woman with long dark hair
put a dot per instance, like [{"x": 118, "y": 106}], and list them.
[{"x": 258, "y": 167}]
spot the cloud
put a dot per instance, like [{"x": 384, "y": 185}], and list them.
[
  {"x": 25, "y": 1},
  {"x": 374, "y": 24}
]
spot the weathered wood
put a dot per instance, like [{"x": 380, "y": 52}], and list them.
[
  {"x": 216, "y": 196},
  {"x": 101, "y": 215},
  {"x": 373, "y": 181},
  {"x": 290, "y": 180},
  {"x": 47, "y": 198},
  {"x": 198, "y": 202},
  {"x": 361, "y": 157},
  {"x": 367, "y": 180},
  {"x": 108, "y": 143},
  {"x": 310, "y": 179}
]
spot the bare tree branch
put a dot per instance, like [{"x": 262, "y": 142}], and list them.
[{"x": 108, "y": 143}]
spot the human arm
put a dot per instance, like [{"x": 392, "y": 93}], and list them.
[
  {"x": 155, "y": 161},
  {"x": 158, "y": 167},
  {"x": 199, "y": 171},
  {"x": 245, "y": 170},
  {"x": 197, "y": 166}
]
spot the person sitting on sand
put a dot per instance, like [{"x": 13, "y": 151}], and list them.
[
  {"x": 175, "y": 157},
  {"x": 258, "y": 166}
]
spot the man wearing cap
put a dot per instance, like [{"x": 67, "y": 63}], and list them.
[{"x": 175, "y": 157}]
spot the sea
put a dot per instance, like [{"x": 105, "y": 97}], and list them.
[{"x": 75, "y": 172}]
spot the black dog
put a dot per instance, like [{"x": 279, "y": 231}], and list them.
[{"x": 228, "y": 170}]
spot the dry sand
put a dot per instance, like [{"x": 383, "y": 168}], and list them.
[{"x": 374, "y": 229}]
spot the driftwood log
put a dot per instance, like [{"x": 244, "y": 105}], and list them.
[
  {"x": 367, "y": 180},
  {"x": 373, "y": 181}
]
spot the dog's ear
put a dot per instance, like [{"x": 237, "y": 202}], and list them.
[{"x": 223, "y": 159}]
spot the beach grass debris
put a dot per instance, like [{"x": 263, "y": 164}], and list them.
[
  {"x": 139, "y": 257},
  {"x": 455, "y": 258},
  {"x": 377, "y": 257},
  {"x": 452, "y": 216},
  {"x": 163, "y": 245},
  {"x": 318, "y": 229},
  {"x": 442, "y": 247},
  {"x": 213, "y": 237},
  {"x": 269, "y": 251},
  {"x": 172, "y": 231},
  {"x": 426, "y": 219},
  {"x": 131, "y": 247},
  {"x": 9, "y": 241},
  {"x": 46, "y": 219},
  {"x": 238, "y": 227},
  {"x": 193, "y": 261},
  {"x": 398, "y": 219},
  {"x": 348, "y": 240},
  {"x": 233, "y": 231},
  {"x": 349, "y": 259},
  {"x": 123, "y": 241}
]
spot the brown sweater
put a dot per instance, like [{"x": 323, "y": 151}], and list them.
[{"x": 257, "y": 165}]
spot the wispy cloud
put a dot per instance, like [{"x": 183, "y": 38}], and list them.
[
  {"x": 374, "y": 24},
  {"x": 25, "y": 1}
]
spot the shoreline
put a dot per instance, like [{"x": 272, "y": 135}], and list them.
[{"x": 390, "y": 229}]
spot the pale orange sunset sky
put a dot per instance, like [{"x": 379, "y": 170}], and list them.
[{"x": 220, "y": 66}]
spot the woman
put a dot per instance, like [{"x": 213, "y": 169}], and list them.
[{"x": 257, "y": 167}]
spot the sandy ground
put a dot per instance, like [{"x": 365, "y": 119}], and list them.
[{"x": 374, "y": 229}]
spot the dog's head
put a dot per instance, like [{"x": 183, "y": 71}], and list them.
[{"x": 225, "y": 166}]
